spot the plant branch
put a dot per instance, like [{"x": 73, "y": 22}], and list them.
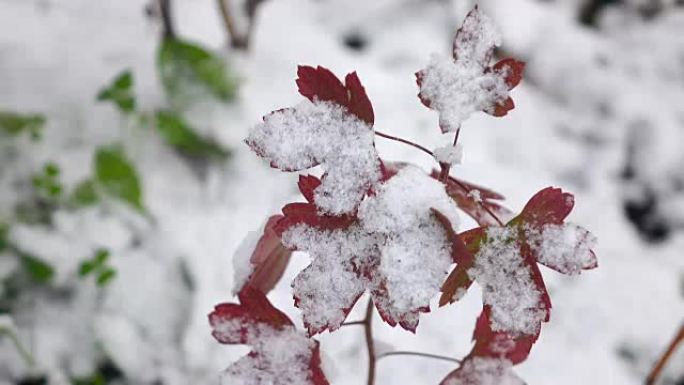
[
  {"x": 370, "y": 344},
  {"x": 236, "y": 39},
  {"x": 354, "y": 323},
  {"x": 416, "y": 145},
  {"x": 662, "y": 361},
  {"x": 418, "y": 354},
  {"x": 167, "y": 19}
]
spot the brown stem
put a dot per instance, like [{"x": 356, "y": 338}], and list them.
[
  {"x": 416, "y": 145},
  {"x": 354, "y": 323},
  {"x": 418, "y": 354},
  {"x": 237, "y": 40},
  {"x": 370, "y": 344},
  {"x": 167, "y": 19},
  {"x": 662, "y": 361}
]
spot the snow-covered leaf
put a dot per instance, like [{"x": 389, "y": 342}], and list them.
[{"x": 280, "y": 354}]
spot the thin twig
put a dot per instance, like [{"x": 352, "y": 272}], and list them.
[
  {"x": 662, "y": 361},
  {"x": 416, "y": 145},
  {"x": 167, "y": 19},
  {"x": 418, "y": 354},
  {"x": 237, "y": 40},
  {"x": 353, "y": 323},
  {"x": 370, "y": 344}
]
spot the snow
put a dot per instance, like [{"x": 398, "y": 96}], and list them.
[
  {"x": 486, "y": 371},
  {"x": 584, "y": 91},
  {"x": 460, "y": 86},
  {"x": 457, "y": 89},
  {"x": 451, "y": 155},
  {"x": 242, "y": 259},
  {"x": 507, "y": 284},
  {"x": 566, "y": 248},
  {"x": 279, "y": 357},
  {"x": 322, "y": 133},
  {"x": 396, "y": 229}
]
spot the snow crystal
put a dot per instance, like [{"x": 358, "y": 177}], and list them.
[
  {"x": 566, "y": 248},
  {"x": 476, "y": 39},
  {"x": 242, "y": 264},
  {"x": 326, "y": 134},
  {"x": 280, "y": 357},
  {"x": 485, "y": 371},
  {"x": 449, "y": 154},
  {"x": 460, "y": 86},
  {"x": 329, "y": 285},
  {"x": 457, "y": 89},
  {"x": 401, "y": 212},
  {"x": 475, "y": 195},
  {"x": 507, "y": 284},
  {"x": 397, "y": 233}
]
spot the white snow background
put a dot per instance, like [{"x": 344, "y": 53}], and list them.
[{"x": 587, "y": 93}]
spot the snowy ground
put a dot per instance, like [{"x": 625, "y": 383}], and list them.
[{"x": 588, "y": 94}]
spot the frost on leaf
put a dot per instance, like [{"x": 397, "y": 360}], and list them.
[
  {"x": 261, "y": 259},
  {"x": 466, "y": 83},
  {"x": 384, "y": 249},
  {"x": 503, "y": 260},
  {"x": 333, "y": 129},
  {"x": 483, "y": 371},
  {"x": 280, "y": 354}
]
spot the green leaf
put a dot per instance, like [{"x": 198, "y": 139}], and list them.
[
  {"x": 117, "y": 176},
  {"x": 183, "y": 65},
  {"x": 120, "y": 92},
  {"x": 84, "y": 194},
  {"x": 178, "y": 134},
  {"x": 96, "y": 263},
  {"x": 39, "y": 270},
  {"x": 15, "y": 124},
  {"x": 4, "y": 231},
  {"x": 105, "y": 276}
]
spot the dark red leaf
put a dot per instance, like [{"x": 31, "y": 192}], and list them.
[
  {"x": 359, "y": 104},
  {"x": 321, "y": 84},
  {"x": 269, "y": 258},
  {"x": 548, "y": 206},
  {"x": 459, "y": 280},
  {"x": 501, "y": 108},
  {"x": 513, "y": 69},
  {"x": 254, "y": 309},
  {"x": 307, "y": 184},
  {"x": 307, "y": 213},
  {"x": 489, "y": 343}
]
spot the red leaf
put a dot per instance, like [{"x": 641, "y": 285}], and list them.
[
  {"x": 321, "y": 84},
  {"x": 501, "y": 108},
  {"x": 475, "y": 39},
  {"x": 269, "y": 258},
  {"x": 307, "y": 213},
  {"x": 256, "y": 322},
  {"x": 307, "y": 184},
  {"x": 359, "y": 104},
  {"x": 513, "y": 69},
  {"x": 548, "y": 206},
  {"x": 254, "y": 309},
  {"x": 459, "y": 280},
  {"x": 489, "y": 343}
]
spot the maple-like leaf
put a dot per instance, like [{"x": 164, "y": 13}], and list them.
[
  {"x": 280, "y": 354},
  {"x": 268, "y": 260},
  {"x": 332, "y": 129},
  {"x": 381, "y": 249},
  {"x": 467, "y": 82},
  {"x": 504, "y": 261}
]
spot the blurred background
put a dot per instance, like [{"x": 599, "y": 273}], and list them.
[{"x": 125, "y": 187}]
